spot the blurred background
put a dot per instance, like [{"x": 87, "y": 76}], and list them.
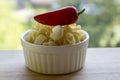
[{"x": 101, "y": 20}]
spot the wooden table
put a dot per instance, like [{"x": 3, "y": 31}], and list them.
[{"x": 101, "y": 64}]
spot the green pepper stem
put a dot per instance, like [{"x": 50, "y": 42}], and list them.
[{"x": 80, "y": 12}]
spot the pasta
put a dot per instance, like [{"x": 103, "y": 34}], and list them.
[{"x": 55, "y": 35}]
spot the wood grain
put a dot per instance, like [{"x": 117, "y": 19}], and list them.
[{"x": 101, "y": 64}]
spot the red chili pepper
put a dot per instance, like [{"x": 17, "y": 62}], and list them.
[{"x": 63, "y": 16}]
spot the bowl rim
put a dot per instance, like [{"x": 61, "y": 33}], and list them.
[{"x": 37, "y": 45}]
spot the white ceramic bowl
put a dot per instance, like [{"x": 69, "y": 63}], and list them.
[{"x": 54, "y": 59}]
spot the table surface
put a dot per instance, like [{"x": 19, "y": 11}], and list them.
[{"x": 101, "y": 64}]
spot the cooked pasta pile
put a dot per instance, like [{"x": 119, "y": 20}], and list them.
[{"x": 55, "y": 36}]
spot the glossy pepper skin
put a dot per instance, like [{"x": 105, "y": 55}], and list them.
[{"x": 63, "y": 16}]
